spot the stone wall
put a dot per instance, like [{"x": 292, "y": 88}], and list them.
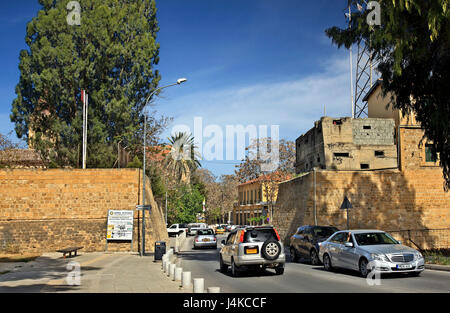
[
  {"x": 46, "y": 210},
  {"x": 389, "y": 200}
]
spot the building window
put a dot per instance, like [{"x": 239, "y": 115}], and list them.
[
  {"x": 364, "y": 166},
  {"x": 429, "y": 155},
  {"x": 379, "y": 153},
  {"x": 341, "y": 154},
  {"x": 337, "y": 122},
  {"x": 367, "y": 127}
]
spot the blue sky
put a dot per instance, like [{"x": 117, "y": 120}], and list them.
[{"x": 248, "y": 62}]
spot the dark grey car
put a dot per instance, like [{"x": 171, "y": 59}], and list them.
[{"x": 305, "y": 242}]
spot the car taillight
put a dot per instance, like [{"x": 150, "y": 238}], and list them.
[
  {"x": 278, "y": 236},
  {"x": 242, "y": 236}
]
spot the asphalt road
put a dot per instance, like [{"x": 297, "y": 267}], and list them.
[{"x": 303, "y": 277}]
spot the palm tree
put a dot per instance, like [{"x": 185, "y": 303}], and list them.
[{"x": 183, "y": 158}]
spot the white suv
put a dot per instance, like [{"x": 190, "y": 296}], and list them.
[{"x": 252, "y": 248}]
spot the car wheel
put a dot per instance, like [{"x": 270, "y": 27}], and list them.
[
  {"x": 271, "y": 249},
  {"x": 223, "y": 266},
  {"x": 279, "y": 270},
  {"x": 294, "y": 256},
  {"x": 363, "y": 268},
  {"x": 314, "y": 257},
  {"x": 327, "y": 263},
  {"x": 234, "y": 269}
]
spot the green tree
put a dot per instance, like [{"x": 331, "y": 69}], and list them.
[
  {"x": 184, "y": 203},
  {"x": 183, "y": 159},
  {"x": 412, "y": 46},
  {"x": 111, "y": 55}
]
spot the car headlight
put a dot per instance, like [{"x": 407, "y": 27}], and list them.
[
  {"x": 419, "y": 255},
  {"x": 379, "y": 257}
]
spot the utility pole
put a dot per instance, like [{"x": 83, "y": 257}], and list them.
[
  {"x": 179, "y": 81},
  {"x": 166, "y": 208}
]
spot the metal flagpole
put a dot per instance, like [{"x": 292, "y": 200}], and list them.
[
  {"x": 85, "y": 130},
  {"x": 83, "y": 98}
]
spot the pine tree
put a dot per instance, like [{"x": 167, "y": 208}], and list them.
[{"x": 111, "y": 55}]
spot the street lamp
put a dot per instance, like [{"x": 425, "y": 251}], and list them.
[{"x": 179, "y": 81}]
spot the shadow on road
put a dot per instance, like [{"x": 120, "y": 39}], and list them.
[{"x": 342, "y": 271}]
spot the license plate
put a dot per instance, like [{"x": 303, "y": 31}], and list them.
[
  {"x": 404, "y": 266},
  {"x": 205, "y": 240},
  {"x": 251, "y": 251}
]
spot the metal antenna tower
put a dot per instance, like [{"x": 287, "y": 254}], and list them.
[{"x": 365, "y": 65}]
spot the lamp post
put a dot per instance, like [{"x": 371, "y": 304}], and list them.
[{"x": 179, "y": 81}]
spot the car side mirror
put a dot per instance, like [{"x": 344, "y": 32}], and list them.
[
  {"x": 399, "y": 242},
  {"x": 349, "y": 244},
  {"x": 223, "y": 242}
]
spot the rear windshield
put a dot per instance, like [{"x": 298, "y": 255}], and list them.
[
  {"x": 204, "y": 232},
  {"x": 259, "y": 235},
  {"x": 324, "y": 231},
  {"x": 368, "y": 239}
]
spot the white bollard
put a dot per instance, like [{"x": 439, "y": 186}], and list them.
[
  {"x": 178, "y": 273},
  {"x": 213, "y": 289},
  {"x": 172, "y": 271},
  {"x": 166, "y": 269},
  {"x": 186, "y": 279},
  {"x": 163, "y": 265},
  {"x": 199, "y": 285},
  {"x": 177, "y": 243}
]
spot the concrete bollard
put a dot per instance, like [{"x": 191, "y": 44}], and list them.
[
  {"x": 177, "y": 242},
  {"x": 163, "y": 265},
  {"x": 213, "y": 289},
  {"x": 178, "y": 273},
  {"x": 166, "y": 269},
  {"x": 199, "y": 285},
  {"x": 172, "y": 271},
  {"x": 186, "y": 280}
]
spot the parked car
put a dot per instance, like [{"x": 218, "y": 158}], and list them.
[
  {"x": 192, "y": 228},
  {"x": 305, "y": 242},
  {"x": 176, "y": 229},
  {"x": 205, "y": 238},
  {"x": 252, "y": 248},
  {"x": 220, "y": 230},
  {"x": 369, "y": 250},
  {"x": 228, "y": 228}
]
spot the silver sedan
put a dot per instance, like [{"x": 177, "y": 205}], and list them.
[
  {"x": 369, "y": 250},
  {"x": 205, "y": 238}
]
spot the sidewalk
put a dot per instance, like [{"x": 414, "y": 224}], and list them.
[{"x": 99, "y": 273}]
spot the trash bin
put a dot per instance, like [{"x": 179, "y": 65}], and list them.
[{"x": 160, "y": 249}]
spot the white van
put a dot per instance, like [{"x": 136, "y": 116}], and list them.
[{"x": 192, "y": 228}]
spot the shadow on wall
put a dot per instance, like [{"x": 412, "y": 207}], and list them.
[{"x": 382, "y": 200}]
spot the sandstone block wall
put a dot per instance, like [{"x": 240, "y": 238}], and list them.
[
  {"x": 389, "y": 200},
  {"x": 43, "y": 210}
]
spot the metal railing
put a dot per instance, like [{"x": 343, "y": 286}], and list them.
[{"x": 424, "y": 239}]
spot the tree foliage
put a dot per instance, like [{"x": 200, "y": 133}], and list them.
[
  {"x": 111, "y": 55},
  {"x": 251, "y": 167},
  {"x": 183, "y": 159},
  {"x": 184, "y": 203},
  {"x": 412, "y": 45}
]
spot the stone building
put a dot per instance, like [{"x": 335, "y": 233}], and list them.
[
  {"x": 347, "y": 144},
  {"x": 404, "y": 196},
  {"x": 256, "y": 199}
]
